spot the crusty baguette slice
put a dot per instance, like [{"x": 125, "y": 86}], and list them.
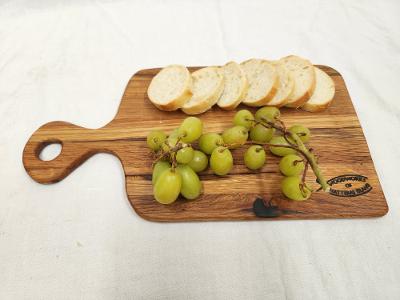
[
  {"x": 303, "y": 75},
  {"x": 286, "y": 85},
  {"x": 263, "y": 81},
  {"x": 235, "y": 86},
  {"x": 170, "y": 88},
  {"x": 323, "y": 93},
  {"x": 208, "y": 84}
]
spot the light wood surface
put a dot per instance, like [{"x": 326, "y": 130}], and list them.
[{"x": 337, "y": 139}]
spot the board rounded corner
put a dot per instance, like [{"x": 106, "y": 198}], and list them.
[
  {"x": 384, "y": 212},
  {"x": 331, "y": 71}
]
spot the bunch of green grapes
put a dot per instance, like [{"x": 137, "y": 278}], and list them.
[
  {"x": 187, "y": 151},
  {"x": 175, "y": 172},
  {"x": 262, "y": 131}
]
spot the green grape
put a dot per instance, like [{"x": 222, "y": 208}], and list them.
[
  {"x": 174, "y": 133},
  {"x": 191, "y": 184},
  {"x": 303, "y": 132},
  {"x": 291, "y": 165},
  {"x": 155, "y": 139},
  {"x": 209, "y": 141},
  {"x": 254, "y": 157},
  {"x": 158, "y": 169},
  {"x": 199, "y": 162},
  {"x": 165, "y": 146},
  {"x": 261, "y": 134},
  {"x": 190, "y": 129},
  {"x": 173, "y": 138},
  {"x": 172, "y": 141},
  {"x": 235, "y": 136},
  {"x": 267, "y": 113},
  {"x": 184, "y": 155},
  {"x": 243, "y": 118},
  {"x": 221, "y": 161},
  {"x": 280, "y": 151},
  {"x": 168, "y": 186},
  {"x": 291, "y": 189},
  {"x": 169, "y": 143}
]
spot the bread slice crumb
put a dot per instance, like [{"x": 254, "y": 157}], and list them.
[{"x": 324, "y": 92}]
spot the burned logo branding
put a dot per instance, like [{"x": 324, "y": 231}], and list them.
[{"x": 351, "y": 185}]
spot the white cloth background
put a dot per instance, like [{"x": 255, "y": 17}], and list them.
[{"x": 80, "y": 239}]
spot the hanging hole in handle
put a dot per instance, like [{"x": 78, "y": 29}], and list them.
[{"x": 49, "y": 150}]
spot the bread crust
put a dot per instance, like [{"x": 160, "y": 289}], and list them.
[
  {"x": 268, "y": 98},
  {"x": 316, "y": 107},
  {"x": 177, "y": 103}
]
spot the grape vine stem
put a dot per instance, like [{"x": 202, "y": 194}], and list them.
[
  {"x": 299, "y": 146},
  {"x": 176, "y": 148}
]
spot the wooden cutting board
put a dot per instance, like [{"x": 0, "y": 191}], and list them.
[{"x": 337, "y": 139}]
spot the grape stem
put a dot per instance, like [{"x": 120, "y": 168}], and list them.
[
  {"x": 297, "y": 161},
  {"x": 303, "y": 178},
  {"x": 297, "y": 144},
  {"x": 176, "y": 148},
  {"x": 311, "y": 160},
  {"x": 273, "y": 145},
  {"x": 302, "y": 184},
  {"x": 174, "y": 162}
]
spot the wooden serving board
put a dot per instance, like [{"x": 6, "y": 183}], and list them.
[{"x": 337, "y": 139}]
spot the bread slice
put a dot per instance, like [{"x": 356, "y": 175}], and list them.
[
  {"x": 170, "y": 88},
  {"x": 263, "y": 81},
  {"x": 208, "y": 85},
  {"x": 235, "y": 86},
  {"x": 286, "y": 85},
  {"x": 323, "y": 93},
  {"x": 303, "y": 75}
]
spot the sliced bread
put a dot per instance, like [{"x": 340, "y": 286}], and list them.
[
  {"x": 323, "y": 93},
  {"x": 235, "y": 86},
  {"x": 263, "y": 81},
  {"x": 170, "y": 88},
  {"x": 208, "y": 85},
  {"x": 303, "y": 75},
  {"x": 286, "y": 85}
]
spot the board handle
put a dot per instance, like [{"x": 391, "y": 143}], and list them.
[{"x": 78, "y": 144}]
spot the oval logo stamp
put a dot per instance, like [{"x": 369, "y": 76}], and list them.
[{"x": 349, "y": 185}]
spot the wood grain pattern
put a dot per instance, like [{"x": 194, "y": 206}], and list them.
[{"x": 337, "y": 138}]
